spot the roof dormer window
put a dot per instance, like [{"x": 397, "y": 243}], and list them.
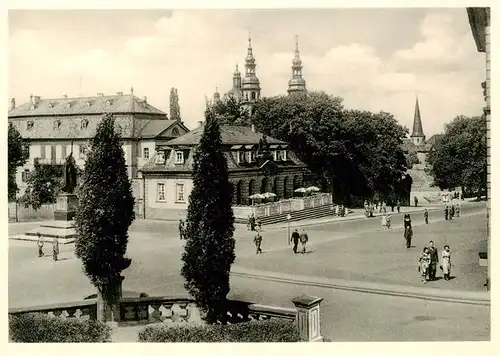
[
  {"x": 160, "y": 157},
  {"x": 84, "y": 124},
  {"x": 240, "y": 157},
  {"x": 108, "y": 102},
  {"x": 276, "y": 155},
  {"x": 51, "y": 105},
  {"x": 179, "y": 157},
  {"x": 57, "y": 124},
  {"x": 68, "y": 105},
  {"x": 284, "y": 155},
  {"x": 29, "y": 125}
]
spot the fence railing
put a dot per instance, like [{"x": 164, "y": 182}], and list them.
[{"x": 158, "y": 310}]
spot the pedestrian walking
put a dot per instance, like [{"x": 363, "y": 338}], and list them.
[
  {"x": 295, "y": 238},
  {"x": 415, "y": 199},
  {"x": 55, "y": 248},
  {"x": 258, "y": 242},
  {"x": 434, "y": 260},
  {"x": 388, "y": 221},
  {"x": 424, "y": 263},
  {"x": 408, "y": 235},
  {"x": 398, "y": 206},
  {"x": 384, "y": 220},
  {"x": 457, "y": 210},
  {"x": 40, "y": 244},
  {"x": 446, "y": 212},
  {"x": 452, "y": 212},
  {"x": 248, "y": 222},
  {"x": 181, "y": 229},
  {"x": 252, "y": 223},
  {"x": 259, "y": 224},
  {"x": 303, "y": 240},
  {"x": 384, "y": 207},
  {"x": 446, "y": 262},
  {"x": 426, "y": 216},
  {"x": 407, "y": 220}
]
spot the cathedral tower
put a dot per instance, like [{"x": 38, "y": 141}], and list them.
[
  {"x": 297, "y": 84},
  {"x": 417, "y": 135},
  {"x": 250, "y": 87}
]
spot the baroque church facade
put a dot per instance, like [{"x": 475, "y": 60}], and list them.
[{"x": 246, "y": 90}]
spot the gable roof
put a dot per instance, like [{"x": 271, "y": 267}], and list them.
[
  {"x": 85, "y": 105},
  {"x": 155, "y": 127},
  {"x": 230, "y": 135}
]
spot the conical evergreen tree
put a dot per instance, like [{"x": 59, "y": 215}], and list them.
[
  {"x": 105, "y": 212},
  {"x": 209, "y": 250}
]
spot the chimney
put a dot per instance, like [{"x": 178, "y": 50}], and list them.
[
  {"x": 12, "y": 104},
  {"x": 65, "y": 96},
  {"x": 34, "y": 100},
  {"x": 119, "y": 93},
  {"x": 253, "y": 128},
  {"x": 200, "y": 123},
  {"x": 100, "y": 94},
  {"x": 145, "y": 99}
]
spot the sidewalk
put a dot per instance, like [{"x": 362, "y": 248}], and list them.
[{"x": 451, "y": 296}]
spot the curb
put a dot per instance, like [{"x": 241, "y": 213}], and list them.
[{"x": 425, "y": 294}]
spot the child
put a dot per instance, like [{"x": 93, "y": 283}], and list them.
[
  {"x": 388, "y": 221},
  {"x": 40, "y": 244},
  {"x": 258, "y": 241},
  {"x": 384, "y": 220},
  {"x": 446, "y": 262},
  {"x": 424, "y": 260}
]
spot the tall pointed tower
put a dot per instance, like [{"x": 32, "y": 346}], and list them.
[
  {"x": 297, "y": 84},
  {"x": 237, "y": 79},
  {"x": 417, "y": 134},
  {"x": 250, "y": 87}
]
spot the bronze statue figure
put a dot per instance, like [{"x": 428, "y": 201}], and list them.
[{"x": 69, "y": 175}]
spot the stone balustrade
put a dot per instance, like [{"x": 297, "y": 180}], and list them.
[
  {"x": 83, "y": 310},
  {"x": 155, "y": 310}
]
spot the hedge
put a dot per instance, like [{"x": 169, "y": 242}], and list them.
[
  {"x": 36, "y": 327},
  {"x": 252, "y": 331}
]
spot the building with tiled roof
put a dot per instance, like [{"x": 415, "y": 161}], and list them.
[
  {"x": 56, "y": 126},
  {"x": 168, "y": 181}
]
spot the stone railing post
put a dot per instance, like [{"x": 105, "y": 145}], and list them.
[{"x": 308, "y": 318}]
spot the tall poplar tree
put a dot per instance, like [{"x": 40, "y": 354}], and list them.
[
  {"x": 175, "y": 109},
  {"x": 209, "y": 250},
  {"x": 105, "y": 212}
]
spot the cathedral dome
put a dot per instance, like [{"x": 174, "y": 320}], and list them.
[
  {"x": 251, "y": 80},
  {"x": 297, "y": 82}
]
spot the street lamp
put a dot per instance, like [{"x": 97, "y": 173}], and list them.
[{"x": 288, "y": 218}]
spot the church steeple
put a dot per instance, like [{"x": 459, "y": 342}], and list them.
[
  {"x": 297, "y": 84},
  {"x": 237, "y": 79},
  {"x": 417, "y": 134},
  {"x": 250, "y": 87}
]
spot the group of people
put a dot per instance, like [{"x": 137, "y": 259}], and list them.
[
  {"x": 379, "y": 208},
  {"x": 55, "y": 246},
  {"x": 296, "y": 237},
  {"x": 451, "y": 211},
  {"x": 428, "y": 262},
  {"x": 253, "y": 223}
]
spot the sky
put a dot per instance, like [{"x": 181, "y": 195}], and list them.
[{"x": 375, "y": 59}]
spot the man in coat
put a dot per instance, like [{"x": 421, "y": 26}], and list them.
[
  {"x": 303, "y": 240},
  {"x": 408, "y": 235},
  {"x": 55, "y": 248},
  {"x": 426, "y": 216},
  {"x": 434, "y": 260},
  {"x": 295, "y": 238}
]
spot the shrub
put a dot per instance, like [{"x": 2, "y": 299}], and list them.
[
  {"x": 36, "y": 327},
  {"x": 255, "y": 331}
]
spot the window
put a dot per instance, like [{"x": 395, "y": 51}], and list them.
[
  {"x": 241, "y": 156},
  {"x": 57, "y": 124},
  {"x": 146, "y": 153},
  {"x": 179, "y": 157},
  {"x": 276, "y": 155},
  {"x": 25, "y": 175},
  {"x": 42, "y": 152},
  {"x": 283, "y": 155},
  {"x": 179, "y": 193},
  {"x": 109, "y": 102},
  {"x": 83, "y": 151},
  {"x": 84, "y": 124},
  {"x": 253, "y": 95},
  {"x": 160, "y": 191},
  {"x": 160, "y": 157},
  {"x": 29, "y": 125},
  {"x": 251, "y": 156}
]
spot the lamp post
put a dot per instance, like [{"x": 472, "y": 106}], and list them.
[{"x": 288, "y": 218}]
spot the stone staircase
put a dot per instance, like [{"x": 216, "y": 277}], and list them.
[{"x": 309, "y": 213}]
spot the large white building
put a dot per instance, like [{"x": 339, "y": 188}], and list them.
[{"x": 54, "y": 126}]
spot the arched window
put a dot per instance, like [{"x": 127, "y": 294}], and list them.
[{"x": 239, "y": 186}]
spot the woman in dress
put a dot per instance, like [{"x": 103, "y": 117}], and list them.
[
  {"x": 424, "y": 262},
  {"x": 446, "y": 262}
]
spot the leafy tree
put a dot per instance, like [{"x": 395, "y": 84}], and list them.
[
  {"x": 105, "y": 212},
  {"x": 175, "y": 109},
  {"x": 353, "y": 154},
  {"x": 44, "y": 184},
  {"x": 460, "y": 158},
  {"x": 230, "y": 112},
  {"x": 18, "y": 150},
  {"x": 412, "y": 159},
  {"x": 209, "y": 251}
]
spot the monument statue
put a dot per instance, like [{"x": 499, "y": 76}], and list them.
[{"x": 69, "y": 175}]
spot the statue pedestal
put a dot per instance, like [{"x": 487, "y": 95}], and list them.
[{"x": 62, "y": 227}]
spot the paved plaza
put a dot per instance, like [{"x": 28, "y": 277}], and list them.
[{"x": 351, "y": 250}]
